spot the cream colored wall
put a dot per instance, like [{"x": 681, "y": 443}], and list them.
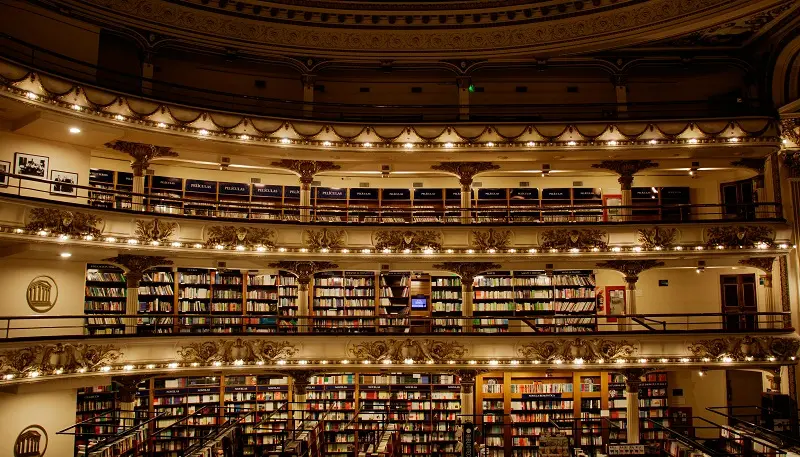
[
  {"x": 62, "y": 156},
  {"x": 53, "y": 410},
  {"x": 699, "y": 393},
  {"x": 17, "y": 274}
]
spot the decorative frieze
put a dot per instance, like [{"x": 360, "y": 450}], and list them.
[
  {"x": 304, "y": 269},
  {"x": 491, "y": 240},
  {"x": 228, "y": 351},
  {"x": 631, "y": 268},
  {"x": 747, "y": 348},
  {"x": 625, "y": 169},
  {"x": 566, "y": 239},
  {"x": 306, "y": 169},
  {"x": 414, "y": 349},
  {"x": 657, "y": 237},
  {"x": 63, "y": 222},
  {"x": 154, "y": 231},
  {"x": 136, "y": 265},
  {"x": 231, "y": 237},
  {"x": 746, "y": 236},
  {"x": 329, "y": 239},
  {"x": 579, "y": 348},
  {"x": 467, "y": 270},
  {"x": 754, "y": 163},
  {"x": 400, "y": 240},
  {"x": 465, "y": 171},
  {"x": 762, "y": 263},
  {"x": 49, "y": 358}
]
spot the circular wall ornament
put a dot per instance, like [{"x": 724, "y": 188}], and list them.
[
  {"x": 42, "y": 294},
  {"x": 31, "y": 442}
]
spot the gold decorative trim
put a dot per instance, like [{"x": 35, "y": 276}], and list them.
[
  {"x": 230, "y": 237},
  {"x": 747, "y": 236},
  {"x": 136, "y": 265},
  {"x": 657, "y": 237},
  {"x": 565, "y": 239},
  {"x": 625, "y": 169},
  {"x": 467, "y": 270},
  {"x": 630, "y": 268},
  {"x": 306, "y": 169},
  {"x": 400, "y": 240},
  {"x": 568, "y": 350},
  {"x": 415, "y": 349},
  {"x": 62, "y": 222},
  {"x": 498, "y": 240},
  {"x": 230, "y": 351},
  {"x": 465, "y": 171},
  {"x": 747, "y": 347},
  {"x": 762, "y": 263},
  {"x": 324, "y": 239},
  {"x": 154, "y": 230},
  {"x": 304, "y": 269},
  {"x": 141, "y": 153},
  {"x": 60, "y": 356}
]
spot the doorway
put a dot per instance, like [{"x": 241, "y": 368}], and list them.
[
  {"x": 738, "y": 200},
  {"x": 739, "y": 302},
  {"x": 744, "y": 394}
]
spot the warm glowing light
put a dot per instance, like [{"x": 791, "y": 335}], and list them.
[
  {"x": 172, "y": 365},
  {"x": 574, "y": 250},
  {"x": 106, "y": 369},
  {"x": 733, "y": 140},
  {"x": 155, "y": 243},
  {"x": 612, "y": 143},
  {"x": 133, "y": 241},
  {"x": 219, "y": 247},
  {"x": 302, "y": 362},
  {"x": 240, "y": 247},
  {"x": 530, "y": 144},
  {"x": 367, "y": 145},
  {"x": 427, "y": 251},
  {"x": 66, "y": 255},
  {"x": 203, "y": 132},
  {"x": 119, "y": 117},
  {"x": 532, "y": 251},
  {"x": 642, "y": 360},
  {"x": 406, "y": 251},
  {"x": 727, "y": 359},
  {"x": 42, "y": 232},
  {"x": 58, "y": 371},
  {"x": 470, "y": 251},
  {"x": 31, "y": 96},
  {"x": 558, "y": 361},
  {"x": 74, "y": 130},
  {"x": 571, "y": 143},
  {"x": 663, "y": 360},
  {"x": 493, "y": 363},
  {"x": 365, "y": 362},
  {"x": 408, "y": 145},
  {"x": 161, "y": 125},
  {"x": 770, "y": 359},
  {"x": 8, "y": 377},
  {"x": 303, "y": 249},
  {"x": 345, "y": 251},
  {"x": 448, "y": 145},
  {"x": 512, "y": 251},
  {"x": 33, "y": 374},
  {"x": 326, "y": 143},
  {"x": 679, "y": 248},
  {"x": 616, "y": 249},
  {"x": 578, "y": 361},
  {"x": 387, "y": 250},
  {"x": 491, "y": 251},
  {"x": 449, "y": 251},
  {"x": 19, "y": 230},
  {"x": 652, "y": 142},
  {"x": 285, "y": 141},
  {"x": 219, "y": 364},
  {"x": 637, "y": 249},
  {"x": 281, "y": 249},
  {"x": 281, "y": 362},
  {"x": 345, "y": 362},
  {"x": 261, "y": 248},
  {"x": 198, "y": 245},
  {"x": 244, "y": 137},
  {"x": 514, "y": 362},
  {"x": 472, "y": 362},
  {"x": 365, "y": 251},
  {"x": 387, "y": 362},
  {"x": 490, "y": 144},
  {"x": 408, "y": 361},
  {"x": 128, "y": 368},
  {"x": 693, "y": 141}
]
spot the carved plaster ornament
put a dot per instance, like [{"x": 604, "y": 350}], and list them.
[
  {"x": 306, "y": 169},
  {"x": 229, "y": 351},
  {"x": 62, "y": 222},
  {"x": 465, "y": 171},
  {"x": 399, "y": 350},
  {"x": 399, "y": 240},
  {"x": 747, "y": 347},
  {"x": 304, "y": 269},
  {"x": 657, "y": 237},
  {"x": 154, "y": 230},
  {"x": 565, "y": 239},
  {"x": 485, "y": 240},
  {"x": 587, "y": 349},
  {"x": 230, "y": 237},
  {"x": 330, "y": 239}
]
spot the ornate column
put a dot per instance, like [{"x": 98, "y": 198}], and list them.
[
  {"x": 135, "y": 267},
  {"x": 463, "y": 83},
  {"x": 300, "y": 381},
  {"x": 467, "y": 394},
  {"x": 309, "y": 82},
  {"x": 625, "y": 169},
  {"x": 632, "y": 380},
  {"x": 142, "y": 154},
  {"x": 304, "y": 270},
  {"x": 127, "y": 386},
  {"x": 466, "y": 172},
  {"x": 765, "y": 264},
  {"x": 786, "y": 305},
  {"x": 631, "y": 269},
  {"x": 306, "y": 170},
  {"x": 758, "y": 166},
  {"x": 467, "y": 271}
]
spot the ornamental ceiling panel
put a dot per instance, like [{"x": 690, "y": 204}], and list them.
[
  {"x": 511, "y": 131},
  {"x": 311, "y": 129},
  {"x": 430, "y": 132},
  {"x": 98, "y": 97},
  {"x": 470, "y": 131},
  {"x": 147, "y": 108},
  {"x": 224, "y": 120},
  {"x": 348, "y": 131},
  {"x": 184, "y": 114},
  {"x": 56, "y": 86},
  {"x": 389, "y": 131},
  {"x": 592, "y": 130},
  {"x": 269, "y": 125},
  {"x": 634, "y": 129},
  {"x": 714, "y": 127}
]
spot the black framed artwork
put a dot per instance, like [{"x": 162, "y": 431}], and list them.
[
  {"x": 31, "y": 165},
  {"x": 64, "y": 183},
  {"x": 5, "y": 167}
]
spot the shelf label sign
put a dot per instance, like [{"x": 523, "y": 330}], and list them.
[
  {"x": 625, "y": 449},
  {"x": 234, "y": 188},
  {"x": 469, "y": 440},
  {"x": 200, "y": 186},
  {"x": 539, "y": 396}
]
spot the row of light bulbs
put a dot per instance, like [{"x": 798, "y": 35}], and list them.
[
  {"x": 204, "y": 133},
  {"x": 491, "y": 363},
  {"x": 261, "y": 248}
]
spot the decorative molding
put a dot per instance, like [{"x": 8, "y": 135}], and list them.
[
  {"x": 466, "y": 171},
  {"x": 398, "y": 351},
  {"x": 631, "y": 268},
  {"x": 141, "y": 153},
  {"x": 579, "y": 348},
  {"x": 657, "y": 237},
  {"x": 756, "y": 164},
  {"x": 324, "y": 239},
  {"x": 304, "y": 269},
  {"x": 744, "y": 347},
  {"x": 399, "y": 240},
  {"x": 791, "y": 159},
  {"x": 247, "y": 351},
  {"x": 63, "y": 222},
  {"x": 790, "y": 129},
  {"x": 136, "y": 265},
  {"x": 565, "y": 239},
  {"x": 60, "y": 356},
  {"x": 747, "y": 236},
  {"x": 467, "y": 270},
  {"x": 625, "y": 169},
  {"x": 786, "y": 304},
  {"x": 762, "y": 263},
  {"x": 230, "y": 237},
  {"x": 300, "y": 380},
  {"x": 32, "y": 441},
  {"x": 306, "y": 169},
  {"x": 154, "y": 230},
  {"x": 42, "y": 294},
  {"x": 497, "y": 240}
]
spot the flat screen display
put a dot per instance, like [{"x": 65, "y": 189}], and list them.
[{"x": 419, "y": 303}]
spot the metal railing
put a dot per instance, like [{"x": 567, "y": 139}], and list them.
[
  {"x": 114, "y": 324},
  {"x": 511, "y": 212},
  {"x": 113, "y": 433},
  {"x": 47, "y": 61},
  {"x": 761, "y": 423}
]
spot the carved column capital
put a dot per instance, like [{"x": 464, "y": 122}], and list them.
[
  {"x": 141, "y": 153},
  {"x": 300, "y": 380},
  {"x": 136, "y": 265},
  {"x": 467, "y": 270},
  {"x": 631, "y": 268},
  {"x": 625, "y": 169},
  {"x": 633, "y": 378},
  {"x": 755, "y": 164},
  {"x": 306, "y": 169},
  {"x": 790, "y": 129},
  {"x": 465, "y": 171},
  {"x": 304, "y": 269},
  {"x": 127, "y": 387},
  {"x": 762, "y": 263}
]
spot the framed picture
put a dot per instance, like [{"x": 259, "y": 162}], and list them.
[
  {"x": 5, "y": 167},
  {"x": 64, "y": 183},
  {"x": 31, "y": 165}
]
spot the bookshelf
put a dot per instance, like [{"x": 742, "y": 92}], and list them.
[
  {"x": 328, "y": 293},
  {"x": 194, "y": 297},
  {"x": 359, "y": 299},
  {"x": 157, "y": 296},
  {"x": 493, "y": 295},
  {"x": 587, "y": 204},
  {"x": 446, "y": 304},
  {"x": 266, "y": 201},
  {"x": 396, "y": 205},
  {"x": 524, "y": 204},
  {"x": 363, "y": 204},
  {"x": 336, "y": 395},
  {"x": 125, "y": 184},
  {"x": 291, "y": 203},
  {"x": 165, "y": 195},
  {"x": 262, "y": 303},
  {"x": 179, "y": 397},
  {"x": 330, "y": 204},
  {"x": 452, "y": 204},
  {"x": 652, "y": 405},
  {"x": 394, "y": 301},
  {"x": 554, "y": 204},
  {"x": 105, "y": 293},
  {"x": 344, "y": 294},
  {"x": 101, "y": 180},
  {"x": 227, "y": 294},
  {"x": 93, "y": 402},
  {"x": 492, "y": 205},
  {"x": 428, "y": 205},
  {"x": 201, "y": 197},
  {"x": 233, "y": 198},
  {"x": 268, "y": 396}
]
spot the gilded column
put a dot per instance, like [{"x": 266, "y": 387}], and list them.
[
  {"x": 141, "y": 155},
  {"x": 135, "y": 267},
  {"x": 467, "y": 272},
  {"x": 632, "y": 380},
  {"x": 625, "y": 169},
  {"x": 304, "y": 270},
  {"x": 306, "y": 170},
  {"x": 300, "y": 382},
  {"x": 467, "y": 394},
  {"x": 466, "y": 172}
]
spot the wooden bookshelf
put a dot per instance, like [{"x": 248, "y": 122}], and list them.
[
  {"x": 165, "y": 194},
  {"x": 157, "y": 296},
  {"x": 587, "y": 203},
  {"x": 201, "y": 197},
  {"x": 394, "y": 301},
  {"x": 227, "y": 307},
  {"x": 524, "y": 204},
  {"x": 261, "y": 306},
  {"x": 101, "y": 180},
  {"x": 105, "y": 293},
  {"x": 124, "y": 184},
  {"x": 363, "y": 205},
  {"x": 93, "y": 402},
  {"x": 652, "y": 405},
  {"x": 336, "y": 394},
  {"x": 428, "y": 205},
  {"x": 554, "y": 203},
  {"x": 492, "y": 205},
  {"x": 266, "y": 201},
  {"x": 194, "y": 296},
  {"x": 446, "y": 304},
  {"x": 396, "y": 205},
  {"x": 452, "y": 204},
  {"x": 493, "y": 295},
  {"x": 233, "y": 198},
  {"x": 330, "y": 204}
]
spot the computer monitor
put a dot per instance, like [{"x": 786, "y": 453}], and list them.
[{"x": 419, "y": 303}]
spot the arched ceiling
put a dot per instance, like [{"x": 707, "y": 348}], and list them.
[{"x": 319, "y": 30}]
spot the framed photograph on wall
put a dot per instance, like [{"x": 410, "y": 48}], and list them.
[
  {"x": 64, "y": 183},
  {"x": 31, "y": 165},
  {"x": 5, "y": 167}
]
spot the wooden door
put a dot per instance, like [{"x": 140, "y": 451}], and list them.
[
  {"x": 738, "y": 199},
  {"x": 738, "y": 294}
]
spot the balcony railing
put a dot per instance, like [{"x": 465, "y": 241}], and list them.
[
  {"x": 504, "y": 213},
  {"x": 114, "y": 324},
  {"x": 47, "y": 61}
]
